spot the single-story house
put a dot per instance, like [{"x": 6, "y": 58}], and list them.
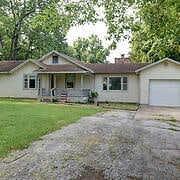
[{"x": 61, "y": 76}]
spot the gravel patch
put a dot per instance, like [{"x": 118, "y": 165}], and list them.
[{"x": 111, "y": 145}]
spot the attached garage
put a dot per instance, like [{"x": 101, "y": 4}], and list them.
[
  {"x": 164, "y": 93},
  {"x": 159, "y": 83}
]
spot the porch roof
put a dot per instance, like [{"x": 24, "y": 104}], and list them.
[{"x": 62, "y": 68}]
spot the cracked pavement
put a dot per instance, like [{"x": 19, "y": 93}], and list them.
[{"x": 112, "y": 145}]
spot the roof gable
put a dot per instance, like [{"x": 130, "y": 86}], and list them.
[
  {"x": 12, "y": 66},
  {"x": 68, "y": 58},
  {"x": 158, "y": 62}
]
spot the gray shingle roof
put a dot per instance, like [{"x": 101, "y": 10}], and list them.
[
  {"x": 6, "y": 66},
  {"x": 115, "y": 68},
  {"x": 61, "y": 68}
]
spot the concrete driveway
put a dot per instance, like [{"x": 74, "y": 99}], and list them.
[
  {"x": 158, "y": 113},
  {"x": 112, "y": 145}
]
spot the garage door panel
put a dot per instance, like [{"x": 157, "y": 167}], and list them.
[{"x": 164, "y": 93}]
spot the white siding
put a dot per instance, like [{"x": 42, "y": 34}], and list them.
[
  {"x": 48, "y": 60},
  {"x": 12, "y": 85},
  {"x": 60, "y": 81},
  {"x": 88, "y": 82},
  {"x": 45, "y": 81},
  {"x": 159, "y": 71},
  {"x": 130, "y": 95}
]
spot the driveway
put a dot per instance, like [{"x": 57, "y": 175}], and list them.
[
  {"x": 112, "y": 145},
  {"x": 158, "y": 113}
]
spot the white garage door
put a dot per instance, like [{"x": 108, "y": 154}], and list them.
[{"x": 164, "y": 93}]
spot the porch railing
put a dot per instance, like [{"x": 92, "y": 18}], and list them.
[{"x": 68, "y": 95}]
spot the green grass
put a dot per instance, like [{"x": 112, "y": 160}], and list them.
[
  {"x": 24, "y": 121},
  {"x": 172, "y": 120},
  {"x": 173, "y": 129},
  {"x": 167, "y": 120},
  {"x": 122, "y": 106}
]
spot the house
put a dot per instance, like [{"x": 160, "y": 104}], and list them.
[{"x": 61, "y": 76}]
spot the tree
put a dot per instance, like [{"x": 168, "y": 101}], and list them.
[
  {"x": 31, "y": 28},
  {"x": 90, "y": 50},
  {"x": 158, "y": 34},
  {"x": 17, "y": 12},
  {"x": 154, "y": 25}
]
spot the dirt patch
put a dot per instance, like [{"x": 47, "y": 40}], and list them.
[{"x": 91, "y": 174}]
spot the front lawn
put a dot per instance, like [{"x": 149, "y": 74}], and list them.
[
  {"x": 120, "y": 106},
  {"x": 24, "y": 121}
]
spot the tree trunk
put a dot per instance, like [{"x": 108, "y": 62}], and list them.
[{"x": 29, "y": 53}]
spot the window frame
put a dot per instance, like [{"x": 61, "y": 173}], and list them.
[
  {"x": 122, "y": 83},
  {"x": 109, "y": 87},
  {"x": 27, "y": 79},
  {"x": 55, "y": 59},
  {"x": 74, "y": 79}
]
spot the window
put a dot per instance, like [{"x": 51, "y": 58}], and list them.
[
  {"x": 70, "y": 79},
  {"x": 115, "y": 83},
  {"x": 30, "y": 81},
  {"x": 55, "y": 60}
]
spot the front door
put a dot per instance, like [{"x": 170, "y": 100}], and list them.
[{"x": 53, "y": 84}]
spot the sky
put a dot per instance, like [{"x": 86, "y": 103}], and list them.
[{"x": 100, "y": 30}]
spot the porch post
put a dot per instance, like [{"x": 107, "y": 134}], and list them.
[
  {"x": 39, "y": 87},
  {"x": 54, "y": 80},
  {"x": 82, "y": 81},
  {"x": 81, "y": 88}
]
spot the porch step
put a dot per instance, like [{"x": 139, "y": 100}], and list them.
[{"x": 63, "y": 98}]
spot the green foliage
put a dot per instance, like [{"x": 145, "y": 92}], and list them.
[
  {"x": 158, "y": 33},
  {"x": 119, "y": 105},
  {"x": 24, "y": 121},
  {"x": 92, "y": 96},
  {"x": 90, "y": 50},
  {"x": 30, "y": 29},
  {"x": 154, "y": 25}
]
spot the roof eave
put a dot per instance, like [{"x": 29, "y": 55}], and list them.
[
  {"x": 157, "y": 62},
  {"x": 25, "y": 62},
  {"x": 114, "y": 73},
  {"x": 6, "y": 72},
  {"x": 62, "y": 72}
]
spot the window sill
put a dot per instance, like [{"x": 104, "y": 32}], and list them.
[
  {"x": 29, "y": 88},
  {"x": 114, "y": 90}
]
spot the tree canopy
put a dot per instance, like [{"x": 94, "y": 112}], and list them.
[
  {"x": 151, "y": 26},
  {"x": 90, "y": 50},
  {"x": 158, "y": 35},
  {"x": 31, "y": 28}
]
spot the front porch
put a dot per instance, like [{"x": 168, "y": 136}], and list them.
[
  {"x": 63, "y": 87},
  {"x": 64, "y": 95}
]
